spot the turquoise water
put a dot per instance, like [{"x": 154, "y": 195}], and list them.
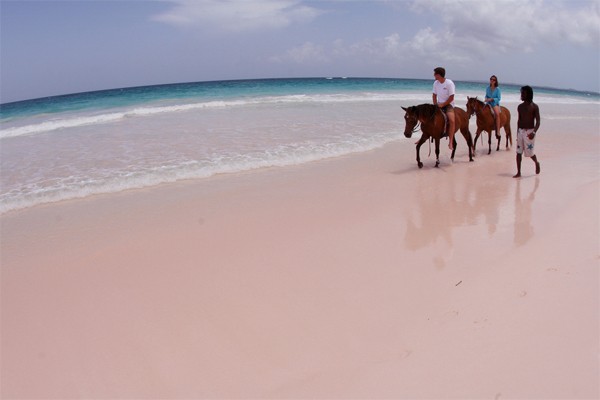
[
  {"x": 227, "y": 90},
  {"x": 74, "y": 146}
]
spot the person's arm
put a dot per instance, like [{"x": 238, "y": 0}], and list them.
[
  {"x": 435, "y": 99},
  {"x": 520, "y": 111},
  {"x": 450, "y": 100},
  {"x": 488, "y": 95},
  {"x": 537, "y": 119},
  {"x": 492, "y": 96}
]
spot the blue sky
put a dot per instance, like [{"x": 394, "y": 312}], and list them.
[{"x": 55, "y": 47}]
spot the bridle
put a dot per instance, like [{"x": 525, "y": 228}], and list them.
[
  {"x": 418, "y": 124},
  {"x": 482, "y": 108}
]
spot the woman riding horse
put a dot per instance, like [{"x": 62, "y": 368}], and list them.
[
  {"x": 486, "y": 122},
  {"x": 433, "y": 123},
  {"x": 492, "y": 98}
]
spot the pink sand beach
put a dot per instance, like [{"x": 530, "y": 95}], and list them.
[{"x": 355, "y": 277}]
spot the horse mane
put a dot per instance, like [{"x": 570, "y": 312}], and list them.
[{"x": 425, "y": 111}]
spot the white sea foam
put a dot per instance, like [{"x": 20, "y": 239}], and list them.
[
  {"x": 96, "y": 152},
  {"x": 60, "y": 123},
  {"x": 410, "y": 97},
  {"x": 73, "y": 187},
  {"x": 77, "y": 121}
]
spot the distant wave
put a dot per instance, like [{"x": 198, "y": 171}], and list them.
[
  {"x": 416, "y": 97},
  {"x": 148, "y": 111},
  {"x": 60, "y": 123},
  {"x": 286, "y": 155}
]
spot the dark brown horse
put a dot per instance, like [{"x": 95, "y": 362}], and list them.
[
  {"x": 432, "y": 125},
  {"x": 486, "y": 122}
]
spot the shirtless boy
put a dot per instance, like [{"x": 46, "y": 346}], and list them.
[{"x": 528, "y": 125}]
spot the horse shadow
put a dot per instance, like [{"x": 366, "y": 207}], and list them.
[{"x": 447, "y": 202}]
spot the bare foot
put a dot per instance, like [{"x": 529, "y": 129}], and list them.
[
  {"x": 537, "y": 168},
  {"x": 518, "y": 175},
  {"x": 450, "y": 146}
]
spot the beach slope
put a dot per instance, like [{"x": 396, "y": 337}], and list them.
[{"x": 355, "y": 277}]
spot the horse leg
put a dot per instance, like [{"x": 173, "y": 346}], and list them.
[
  {"x": 453, "y": 147},
  {"x": 454, "y": 144},
  {"x": 437, "y": 152},
  {"x": 419, "y": 143},
  {"x": 490, "y": 142},
  {"x": 467, "y": 135},
  {"x": 477, "y": 134},
  {"x": 499, "y": 138},
  {"x": 508, "y": 135}
]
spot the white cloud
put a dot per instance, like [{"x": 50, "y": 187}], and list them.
[
  {"x": 238, "y": 15},
  {"x": 474, "y": 30},
  {"x": 308, "y": 53},
  {"x": 485, "y": 27}
]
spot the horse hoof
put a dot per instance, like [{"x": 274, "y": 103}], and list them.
[{"x": 420, "y": 165}]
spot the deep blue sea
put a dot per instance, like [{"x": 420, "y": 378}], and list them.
[{"x": 73, "y": 146}]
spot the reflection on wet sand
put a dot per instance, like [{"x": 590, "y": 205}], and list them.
[
  {"x": 453, "y": 201},
  {"x": 523, "y": 214}
]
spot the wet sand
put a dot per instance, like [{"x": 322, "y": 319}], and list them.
[{"x": 357, "y": 277}]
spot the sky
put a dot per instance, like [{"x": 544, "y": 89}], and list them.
[{"x": 52, "y": 48}]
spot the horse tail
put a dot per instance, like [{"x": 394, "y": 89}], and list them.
[{"x": 507, "y": 127}]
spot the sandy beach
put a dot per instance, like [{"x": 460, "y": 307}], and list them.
[{"x": 355, "y": 277}]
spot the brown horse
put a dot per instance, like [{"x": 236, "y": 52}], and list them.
[
  {"x": 487, "y": 122},
  {"x": 432, "y": 125}
]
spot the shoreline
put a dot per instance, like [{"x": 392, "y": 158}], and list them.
[
  {"x": 359, "y": 276},
  {"x": 214, "y": 175}
]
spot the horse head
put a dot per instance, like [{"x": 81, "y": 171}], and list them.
[
  {"x": 411, "y": 119},
  {"x": 473, "y": 106}
]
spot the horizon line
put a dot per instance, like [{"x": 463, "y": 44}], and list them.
[{"x": 290, "y": 78}]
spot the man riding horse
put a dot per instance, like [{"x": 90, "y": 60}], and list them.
[{"x": 443, "y": 96}]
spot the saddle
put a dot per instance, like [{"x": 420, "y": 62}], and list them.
[
  {"x": 492, "y": 110},
  {"x": 445, "y": 132}
]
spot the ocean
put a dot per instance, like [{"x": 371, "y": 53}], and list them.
[{"x": 74, "y": 146}]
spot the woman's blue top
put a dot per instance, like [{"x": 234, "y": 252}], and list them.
[{"x": 494, "y": 95}]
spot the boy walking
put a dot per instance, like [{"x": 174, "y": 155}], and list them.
[{"x": 528, "y": 125}]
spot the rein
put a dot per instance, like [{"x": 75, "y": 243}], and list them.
[
  {"x": 432, "y": 114},
  {"x": 482, "y": 108},
  {"x": 478, "y": 112},
  {"x": 420, "y": 124},
  {"x": 428, "y": 121}
]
